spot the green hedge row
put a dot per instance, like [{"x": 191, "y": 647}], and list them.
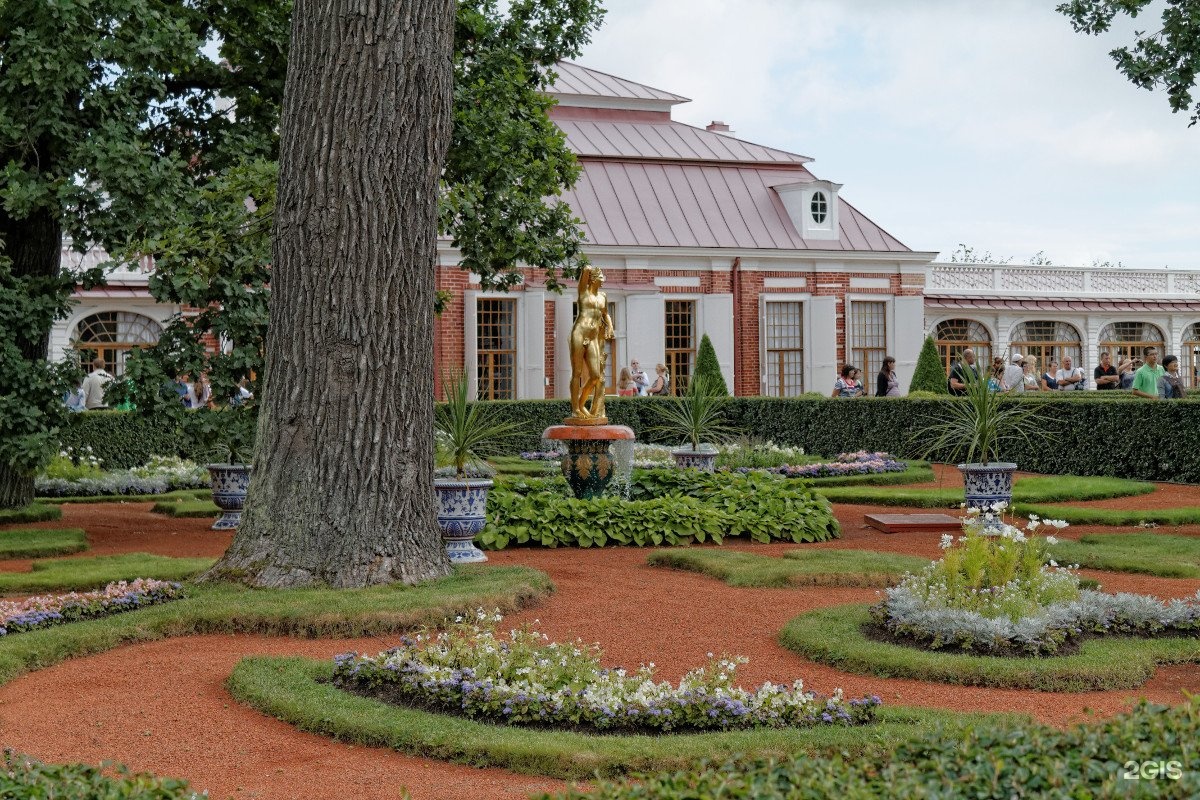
[
  {"x": 1088, "y": 433},
  {"x": 1147, "y": 752},
  {"x": 123, "y": 440}
]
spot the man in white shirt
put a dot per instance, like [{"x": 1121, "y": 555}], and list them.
[
  {"x": 1013, "y": 379},
  {"x": 94, "y": 385},
  {"x": 640, "y": 379},
  {"x": 1069, "y": 377}
]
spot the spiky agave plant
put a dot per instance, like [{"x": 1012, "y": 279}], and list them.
[
  {"x": 696, "y": 415},
  {"x": 469, "y": 429},
  {"x": 974, "y": 428}
]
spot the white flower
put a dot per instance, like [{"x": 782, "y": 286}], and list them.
[
  {"x": 1051, "y": 540},
  {"x": 947, "y": 541}
]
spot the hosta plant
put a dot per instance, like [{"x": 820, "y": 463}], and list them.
[{"x": 523, "y": 678}]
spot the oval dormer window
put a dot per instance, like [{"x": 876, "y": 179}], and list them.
[{"x": 819, "y": 207}]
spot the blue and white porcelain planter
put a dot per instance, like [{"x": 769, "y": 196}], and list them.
[
  {"x": 229, "y": 483},
  {"x": 462, "y": 513},
  {"x": 703, "y": 460},
  {"x": 988, "y": 484}
]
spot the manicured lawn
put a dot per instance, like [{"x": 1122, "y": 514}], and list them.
[
  {"x": 34, "y": 512},
  {"x": 917, "y": 472},
  {"x": 834, "y": 636},
  {"x": 293, "y": 689},
  {"x": 67, "y": 574},
  {"x": 795, "y": 568},
  {"x": 229, "y": 608},
  {"x": 1185, "y": 515},
  {"x": 1144, "y": 553},
  {"x": 1036, "y": 489},
  {"x": 187, "y": 508},
  {"x": 37, "y": 543}
]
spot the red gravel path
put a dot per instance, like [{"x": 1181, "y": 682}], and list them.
[{"x": 163, "y": 707}]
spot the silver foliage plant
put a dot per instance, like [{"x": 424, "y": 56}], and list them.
[{"x": 906, "y": 614}]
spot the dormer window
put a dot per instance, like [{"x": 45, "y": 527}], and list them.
[
  {"x": 819, "y": 207},
  {"x": 812, "y": 207}
]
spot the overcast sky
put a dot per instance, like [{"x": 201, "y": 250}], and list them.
[{"x": 991, "y": 124}]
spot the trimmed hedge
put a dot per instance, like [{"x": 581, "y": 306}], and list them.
[
  {"x": 24, "y": 778},
  {"x": 1088, "y": 433},
  {"x": 124, "y": 440},
  {"x": 1149, "y": 751}
]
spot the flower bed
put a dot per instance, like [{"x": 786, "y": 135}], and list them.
[
  {"x": 17, "y": 616},
  {"x": 525, "y": 679},
  {"x": 997, "y": 592},
  {"x": 160, "y": 475},
  {"x": 860, "y": 463}
]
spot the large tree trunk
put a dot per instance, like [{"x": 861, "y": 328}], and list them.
[
  {"x": 342, "y": 491},
  {"x": 33, "y": 244}
]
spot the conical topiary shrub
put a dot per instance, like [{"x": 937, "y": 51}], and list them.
[
  {"x": 708, "y": 368},
  {"x": 930, "y": 375}
]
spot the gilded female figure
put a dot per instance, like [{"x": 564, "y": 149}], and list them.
[{"x": 592, "y": 329}]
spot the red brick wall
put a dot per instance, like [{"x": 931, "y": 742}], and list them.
[
  {"x": 747, "y": 380},
  {"x": 450, "y": 350},
  {"x": 449, "y": 344}
]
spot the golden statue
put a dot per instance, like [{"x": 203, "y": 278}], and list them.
[{"x": 592, "y": 329}]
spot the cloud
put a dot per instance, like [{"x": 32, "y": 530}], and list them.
[{"x": 989, "y": 123}]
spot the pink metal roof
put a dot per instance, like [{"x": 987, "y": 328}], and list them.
[
  {"x": 669, "y": 204},
  {"x": 666, "y": 139},
  {"x": 574, "y": 79},
  {"x": 1034, "y": 304}
]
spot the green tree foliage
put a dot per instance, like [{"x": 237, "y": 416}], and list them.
[
  {"x": 506, "y": 164},
  {"x": 111, "y": 113},
  {"x": 1167, "y": 59},
  {"x": 930, "y": 374},
  {"x": 708, "y": 368}
]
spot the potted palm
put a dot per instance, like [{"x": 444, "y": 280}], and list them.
[
  {"x": 697, "y": 416},
  {"x": 465, "y": 431},
  {"x": 973, "y": 429},
  {"x": 228, "y": 436}
]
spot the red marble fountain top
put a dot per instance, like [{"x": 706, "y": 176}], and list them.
[{"x": 590, "y": 432}]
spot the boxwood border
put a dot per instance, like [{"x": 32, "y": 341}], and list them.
[{"x": 834, "y": 636}]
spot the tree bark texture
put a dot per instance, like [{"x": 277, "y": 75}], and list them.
[
  {"x": 342, "y": 489},
  {"x": 33, "y": 245}
]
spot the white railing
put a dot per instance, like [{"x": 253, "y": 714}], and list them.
[
  {"x": 95, "y": 256},
  {"x": 1017, "y": 280}
]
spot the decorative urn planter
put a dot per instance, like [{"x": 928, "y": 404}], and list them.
[
  {"x": 703, "y": 460},
  {"x": 229, "y": 483},
  {"x": 462, "y": 513},
  {"x": 988, "y": 484}
]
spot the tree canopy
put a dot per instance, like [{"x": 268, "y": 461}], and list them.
[
  {"x": 506, "y": 163},
  {"x": 111, "y": 112},
  {"x": 1168, "y": 58}
]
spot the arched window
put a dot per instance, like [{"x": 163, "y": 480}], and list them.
[
  {"x": 110, "y": 335},
  {"x": 1047, "y": 340},
  {"x": 1130, "y": 340},
  {"x": 1190, "y": 356},
  {"x": 955, "y": 335}
]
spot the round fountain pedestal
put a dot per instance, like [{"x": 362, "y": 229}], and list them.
[{"x": 588, "y": 464}]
